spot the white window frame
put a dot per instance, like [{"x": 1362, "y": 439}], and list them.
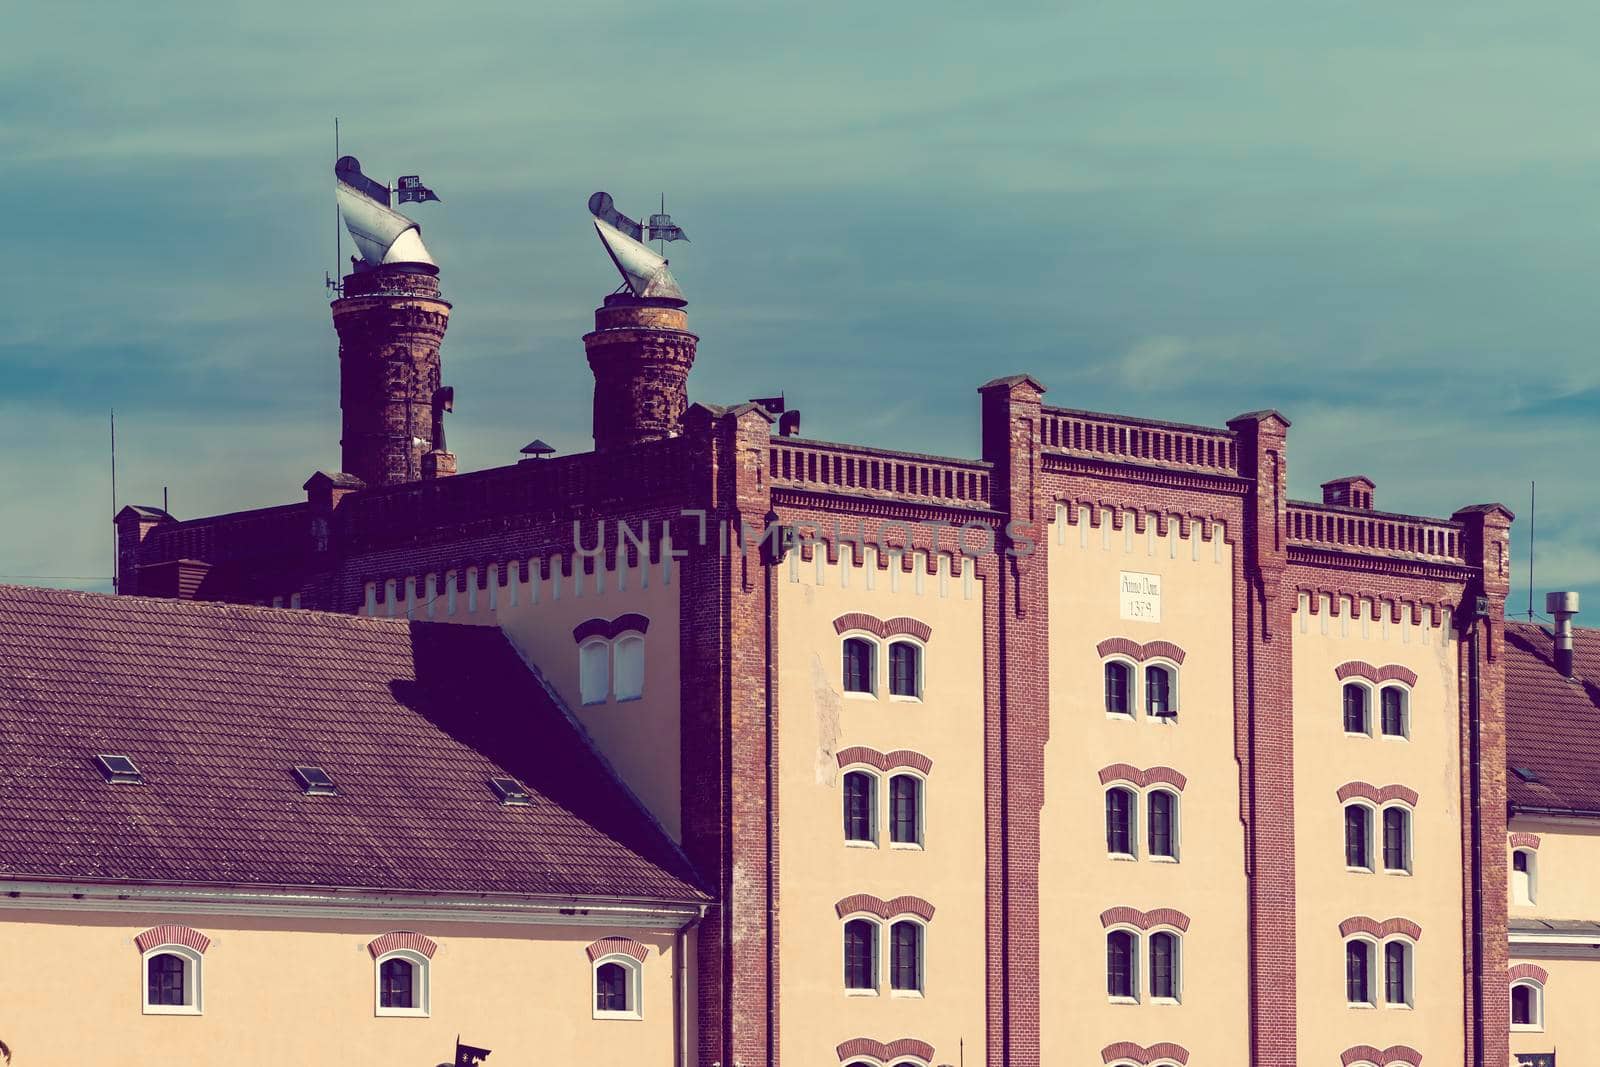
[
  {"x": 1174, "y": 691},
  {"x": 1135, "y": 962},
  {"x": 878, "y": 953},
  {"x": 1537, "y": 1025},
  {"x": 1177, "y": 823},
  {"x": 635, "y": 972},
  {"x": 1135, "y": 689},
  {"x": 873, "y": 822},
  {"x": 1177, "y": 963},
  {"x": 921, "y": 779},
  {"x": 1374, "y": 972},
  {"x": 922, "y": 957},
  {"x": 871, "y": 692},
  {"x": 1136, "y": 825},
  {"x": 626, "y": 639},
  {"x": 1371, "y": 692},
  {"x": 587, "y": 696},
  {"x": 421, "y": 984},
  {"x": 1529, "y": 894},
  {"x": 1373, "y": 862},
  {"x": 1382, "y": 966},
  {"x": 1405, "y": 712},
  {"x": 922, "y": 659},
  {"x": 193, "y": 991},
  {"x": 1378, "y": 833}
]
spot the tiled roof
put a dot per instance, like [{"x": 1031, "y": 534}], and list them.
[
  {"x": 1552, "y": 723},
  {"x": 217, "y": 703}
]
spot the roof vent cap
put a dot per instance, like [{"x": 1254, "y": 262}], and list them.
[
  {"x": 119, "y": 770},
  {"x": 314, "y": 782},
  {"x": 1562, "y": 607}
]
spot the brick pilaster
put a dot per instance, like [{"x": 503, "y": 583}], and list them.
[
  {"x": 1486, "y": 537},
  {"x": 1264, "y": 735},
  {"x": 1017, "y": 666}
]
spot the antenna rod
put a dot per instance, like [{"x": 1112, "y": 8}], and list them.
[
  {"x": 1533, "y": 488},
  {"x": 116, "y": 545},
  {"x": 338, "y": 223}
]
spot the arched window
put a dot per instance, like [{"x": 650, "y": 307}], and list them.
[
  {"x": 861, "y": 956},
  {"x": 1120, "y": 804},
  {"x": 1355, "y": 708},
  {"x": 860, "y": 656},
  {"x": 1119, "y": 686},
  {"x": 860, "y": 807},
  {"x": 172, "y": 981},
  {"x": 594, "y": 671},
  {"x": 1396, "y": 839},
  {"x": 1164, "y": 965},
  {"x": 1163, "y": 823},
  {"x": 402, "y": 983},
  {"x": 1160, "y": 700},
  {"x": 1358, "y": 972},
  {"x": 1394, "y": 714},
  {"x": 1122, "y": 956},
  {"x": 1527, "y": 1006},
  {"x": 628, "y": 653},
  {"x": 1397, "y": 974},
  {"x": 905, "y": 810},
  {"x": 617, "y": 992},
  {"x": 1358, "y": 837},
  {"x": 1524, "y": 876},
  {"x": 905, "y": 669},
  {"x": 905, "y": 957}
]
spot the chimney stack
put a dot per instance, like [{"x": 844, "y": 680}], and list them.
[
  {"x": 1562, "y": 607},
  {"x": 1352, "y": 492},
  {"x": 640, "y": 351}
]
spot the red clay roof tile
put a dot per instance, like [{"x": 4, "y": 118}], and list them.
[{"x": 1552, "y": 723}]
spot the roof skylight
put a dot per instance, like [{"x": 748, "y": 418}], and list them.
[
  {"x": 511, "y": 791},
  {"x": 119, "y": 770},
  {"x": 314, "y": 782},
  {"x": 1525, "y": 773}
]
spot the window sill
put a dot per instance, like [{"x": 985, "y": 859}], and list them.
[
  {"x": 1119, "y": 716},
  {"x": 1397, "y": 872},
  {"x": 1122, "y": 1000},
  {"x": 904, "y": 698},
  {"x": 860, "y": 992},
  {"x": 1161, "y": 720},
  {"x": 851, "y": 694},
  {"x": 1527, "y": 1028},
  {"x": 1122, "y": 857},
  {"x": 1398, "y": 1007},
  {"x": 1357, "y": 870},
  {"x": 171, "y": 1009},
  {"x": 1365, "y": 1006},
  {"x": 1165, "y": 1000},
  {"x": 1362, "y": 734},
  {"x": 907, "y": 846},
  {"x": 860, "y": 844},
  {"x": 629, "y": 700},
  {"x": 623, "y": 1016},
  {"x": 595, "y": 703},
  {"x": 1396, "y": 737},
  {"x": 401, "y": 1013},
  {"x": 910, "y": 994},
  {"x": 1163, "y": 859}
]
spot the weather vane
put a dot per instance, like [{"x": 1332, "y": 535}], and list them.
[{"x": 643, "y": 269}]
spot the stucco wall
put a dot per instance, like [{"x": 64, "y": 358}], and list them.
[
  {"x": 282, "y": 991},
  {"x": 1078, "y": 880},
  {"x": 1568, "y": 875},
  {"x": 1571, "y": 1024},
  {"x": 1429, "y": 762},
  {"x": 1568, "y": 870},
  {"x": 816, "y": 867}
]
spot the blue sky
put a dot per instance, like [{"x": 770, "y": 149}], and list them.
[{"x": 1380, "y": 219}]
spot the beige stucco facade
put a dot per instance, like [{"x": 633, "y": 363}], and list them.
[
  {"x": 280, "y": 990},
  {"x": 818, "y": 869},
  {"x": 1566, "y": 867},
  {"x": 1328, "y": 892},
  {"x": 1078, "y": 879}
]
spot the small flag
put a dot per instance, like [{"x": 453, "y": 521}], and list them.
[
  {"x": 409, "y": 188},
  {"x": 662, "y": 229}
]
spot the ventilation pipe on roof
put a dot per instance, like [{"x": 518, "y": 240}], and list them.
[{"x": 1562, "y": 607}]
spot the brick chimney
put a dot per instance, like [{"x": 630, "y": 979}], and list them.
[
  {"x": 391, "y": 321},
  {"x": 640, "y": 351},
  {"x": 1352, "y": 492}
]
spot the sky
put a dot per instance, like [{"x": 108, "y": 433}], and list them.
[{"x": 1379, "y": 219}]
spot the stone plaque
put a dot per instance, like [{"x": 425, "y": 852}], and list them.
[{"x": 1141, "y": 596}]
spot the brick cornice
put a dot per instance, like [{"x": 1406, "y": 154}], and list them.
[
  {"x": 1525, "y": 840},
  {"x": 402, "y": 939},
  {"x": 859, "y": 903},
  {"x": 1140, "y": 474},
  {"x": 1390, "y": 566},
  {"x": 617, "y": 946},
  {"x": 172, "y": 934},
  {"x": 885, "y": 1050},
  {"x": 610, "y": 628},
  {"x": 1362, "y": 924},
  {"x": 1383, "y": 1057},
  {"x": 1377, "y": 794},
  {"x": 1127, "y": 772},
  {"x": 1124, "y": 646},
  {"x": 1389, "y": 672},
  {"x": 1144, "y": 920},
  {"x": 1133, "y": 1052},
  {"x": 896, "y": 627},
  {"x": 885, "y": 761},
  {"x": 1526, "y": 972}
]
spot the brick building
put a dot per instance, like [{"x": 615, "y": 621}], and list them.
[{"x": 1094, "y": 748}]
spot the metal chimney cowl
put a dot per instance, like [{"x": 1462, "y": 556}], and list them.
[{"x": 1562, "y": 607}]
